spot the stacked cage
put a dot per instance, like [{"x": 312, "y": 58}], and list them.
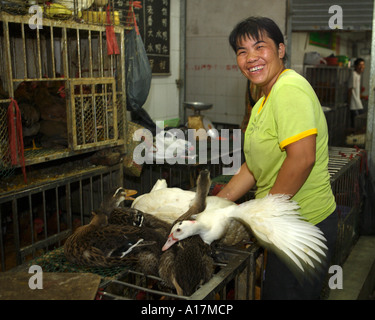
[
  {"x": 347, "y": 169},
  {"x": 331, "y": 86},
  {"x": 64, "y": 81},
  {"x": 62, "y": 101},
  {"x": 236, "y": 276},
  {"x": 38, "y": 219}
]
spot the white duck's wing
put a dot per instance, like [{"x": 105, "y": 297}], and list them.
[
  {"x": 213, "y": 202},
  {"x": 167, "y": 203},
  {"x": 278, "y": 226},
  {"x": 236, "y": 231}
]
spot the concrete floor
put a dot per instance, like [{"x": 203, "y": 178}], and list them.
[{"x": 358, "y": 273}]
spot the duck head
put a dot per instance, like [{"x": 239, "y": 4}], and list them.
[
  {"x": 122, "y": 194},
  {"x": 115, "y": 197},
  {"x": 180, "y": 231}
]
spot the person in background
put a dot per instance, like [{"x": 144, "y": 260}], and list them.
[
  {"x": 285, "y": 147},
  {"x": 354, "y": 93}
]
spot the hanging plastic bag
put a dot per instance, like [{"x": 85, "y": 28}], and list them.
[{"x": 138, "y": 70}]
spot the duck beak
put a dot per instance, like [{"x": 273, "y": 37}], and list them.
[
  {"x": 171, "y": 240},
  {"x": 129, "y": 193}
]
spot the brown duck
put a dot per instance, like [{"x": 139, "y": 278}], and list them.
[
  {"x": 190, "y": 264},
  {"x": 113, "y": 199},
  {"x": 101, "y": 245},
  {"x": 183, "y": 267}
]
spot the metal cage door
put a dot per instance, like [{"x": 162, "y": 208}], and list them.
[{"x": 93, "y": 115}]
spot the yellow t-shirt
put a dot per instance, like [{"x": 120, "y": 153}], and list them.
[{"x": 291, "y": 112}]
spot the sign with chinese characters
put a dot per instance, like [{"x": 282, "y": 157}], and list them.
[{"x": 154, "y": 25}]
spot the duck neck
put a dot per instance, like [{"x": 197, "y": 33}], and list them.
[
  {"x": 204, "y": 231},
  {"x": 194, "y": 229},
  {"x": 203, "y": 187}
]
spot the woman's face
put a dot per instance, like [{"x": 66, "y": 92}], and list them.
[{"x": 260, "y": 61}]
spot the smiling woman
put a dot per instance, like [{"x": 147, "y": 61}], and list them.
[
  {"x": 260, "y": 52},
  {"x": 285, "y": 147}
]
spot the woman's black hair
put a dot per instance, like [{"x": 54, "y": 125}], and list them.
[{"x": 254, "y": 27}]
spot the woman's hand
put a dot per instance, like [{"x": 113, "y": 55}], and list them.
[{"x": 240, "y": 183}]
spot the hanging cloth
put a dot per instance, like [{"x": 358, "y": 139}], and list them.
[
  {"x": 15, "y": 136},
  {"x": 112, "y": 45}
]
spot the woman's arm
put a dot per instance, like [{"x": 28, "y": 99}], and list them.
[
  {"x": 240, "y": 183},
  {"x": 296, "y": 167}
]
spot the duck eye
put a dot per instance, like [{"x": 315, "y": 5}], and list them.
[{"x": 178, "y": 230}]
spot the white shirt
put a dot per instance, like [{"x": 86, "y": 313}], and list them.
[{"x": 355, "y": 84}]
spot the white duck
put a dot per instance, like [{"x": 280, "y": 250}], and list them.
[
  {"x": 274, "y": 221},
  {"x": 174, "y": 204},
  {"x": 165, "y": 203}
]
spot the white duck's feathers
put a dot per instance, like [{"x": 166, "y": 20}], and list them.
[
  {"x": 279, "y": 213},
  {"x": 169, "y": 204},
  {"x": 275, "y": 222}
]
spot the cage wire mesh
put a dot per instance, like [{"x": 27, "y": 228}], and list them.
[
  {"x": 6, "y": 168},
  {"x": 346, "y": 166},
  {"x": 95, "y": 113},
  {"x": 331, "y": 87},
  {"x": 37, "y": 219},
  {"x": 55, "y": 261}
]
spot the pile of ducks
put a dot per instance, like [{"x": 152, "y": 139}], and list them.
[
  {"x": 169, "y": 232},
  {"x": 118, "y": 236}
]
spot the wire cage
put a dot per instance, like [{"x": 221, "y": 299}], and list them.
[
  {"x": 331, "y": 86},
  {"x": 73, "y": 195},
  {"x": 62, "y": 96},
  {"x": 236, "y": 276},
  {"x": 37, "y": 219},
  {"x": 68, "y": 79},
  {"x": 347, "y": 168}
]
